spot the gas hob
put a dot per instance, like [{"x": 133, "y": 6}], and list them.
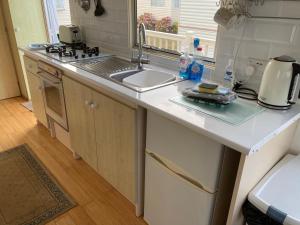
[{"x": 66, "y": 54}]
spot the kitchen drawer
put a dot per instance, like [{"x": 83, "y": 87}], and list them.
[
  {"x": 170, "y": 199},
  {"x": 30, "y": 65},
  {"x": 194, "y": 154}
]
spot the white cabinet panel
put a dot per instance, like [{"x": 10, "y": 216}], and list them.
[
  {"x": 37, "y": 99},
  {"x": 198, "y": 156},
  {"x": 170, "y": 199}
]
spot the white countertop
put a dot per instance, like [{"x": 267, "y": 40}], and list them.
[{"x": 246, "y": 138}]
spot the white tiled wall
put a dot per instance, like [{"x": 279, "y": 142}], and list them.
[
  {"x": 263, "y": 38},
  {"x": 110, "y": 31}
]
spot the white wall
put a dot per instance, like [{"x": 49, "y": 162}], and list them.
[
  {"x": 110, "y": 31},
  {"x": 264, "y": 39}
]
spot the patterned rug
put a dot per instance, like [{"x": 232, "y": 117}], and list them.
[{"x": 29, "y": 194}]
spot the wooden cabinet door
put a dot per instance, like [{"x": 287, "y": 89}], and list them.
[
  {"x": 38, "y": 106},
  {"x": 8, "y": 79},
  {"x": 81, "y": 120},
  {"x": 115, "y": 138}
]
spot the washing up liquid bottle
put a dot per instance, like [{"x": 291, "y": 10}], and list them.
[
  {"x": 229, "y": 76},
  {"x": 196, "y": 70},
  {"x": 183, "y": 65}
]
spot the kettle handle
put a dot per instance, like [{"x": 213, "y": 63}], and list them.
[{"x": 295, "y": 84}]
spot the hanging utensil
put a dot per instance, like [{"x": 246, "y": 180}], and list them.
[
  {"x": 99, "y": 11},
  {"x": 85, "y": 4}
]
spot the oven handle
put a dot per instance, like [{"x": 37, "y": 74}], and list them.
[{"x": 49, "y": 77}]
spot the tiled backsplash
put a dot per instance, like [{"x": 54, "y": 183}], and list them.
[
  {"x": 263, "y": 39},
  {"x": 110, "y": 31}
]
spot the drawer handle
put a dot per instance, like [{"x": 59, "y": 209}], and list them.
[{"x": 186, "y": 178}]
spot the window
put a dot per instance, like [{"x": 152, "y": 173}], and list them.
[
  {"x": 158, "y": 3},
  {"x": 174, "y": 25},
  {"x": 60, "y": 4},
  {"x": 63, "y": 12},
  {"x": 175, "y": 4}
]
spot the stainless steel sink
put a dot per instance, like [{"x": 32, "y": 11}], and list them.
[
  {"x": 143, "y": 83},
  {"x": 105, "y": 66},
  {"x": 116, "y": 70},
  {"x": 122, "y": 75}
]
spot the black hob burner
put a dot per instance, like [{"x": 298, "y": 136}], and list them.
[{"x": 69, "y": 53}]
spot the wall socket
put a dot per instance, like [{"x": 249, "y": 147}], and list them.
[
  {"x": 251, "y": 67},
  {"x": 259, "y": 64}
]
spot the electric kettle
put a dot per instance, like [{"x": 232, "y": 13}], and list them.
[{"x": 280, "y": 84}]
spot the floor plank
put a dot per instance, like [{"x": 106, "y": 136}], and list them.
[
  {"x": 98, "y": 202},
  {"x": 80, "y": 216},
  {"x": 66, "y": 220}
]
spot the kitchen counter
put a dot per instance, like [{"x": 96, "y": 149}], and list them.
[{"x": 246, "y": 138}]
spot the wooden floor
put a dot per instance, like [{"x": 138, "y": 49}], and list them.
[{"x": 98, "y": 202}]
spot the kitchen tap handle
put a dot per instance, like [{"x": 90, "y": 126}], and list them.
[{"x": 143, "y": 30}]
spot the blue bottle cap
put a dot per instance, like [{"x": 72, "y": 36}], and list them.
[{"x": 196, "y": 42}]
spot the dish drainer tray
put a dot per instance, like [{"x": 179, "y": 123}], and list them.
[{"x": 234, "y": 113}]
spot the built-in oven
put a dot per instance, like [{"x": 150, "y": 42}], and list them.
[{"x": 53, "y": 93}]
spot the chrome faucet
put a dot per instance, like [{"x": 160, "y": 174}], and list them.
[{"x": 142, "y": 41}]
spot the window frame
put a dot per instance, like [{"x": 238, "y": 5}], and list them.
[{"x": 159, "y": 51}]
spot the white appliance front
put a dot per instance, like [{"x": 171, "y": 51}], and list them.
[
  {"x": 54, "y": 98},
  {"x": 172, "y": 199}
]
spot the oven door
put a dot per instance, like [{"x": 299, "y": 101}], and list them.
[{"x": 54, "y": 99}]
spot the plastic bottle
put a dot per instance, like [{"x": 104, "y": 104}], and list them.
[
  {"x": 184, "y": 65},
  {"x": 200, "y": 51},
  {"x": 229, "y": 76},
  {"x": 196, "y": 70},
  {"x": 196, "y": 45}
]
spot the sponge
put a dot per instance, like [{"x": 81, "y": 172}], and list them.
[{"x": 210, "y": 88}]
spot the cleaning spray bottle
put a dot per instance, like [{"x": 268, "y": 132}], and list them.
[{"x": 229, "y": 75}]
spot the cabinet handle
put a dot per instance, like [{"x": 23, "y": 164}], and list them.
[
  {"x": 40, "y": 88},
  {"x": 93, "y": 105}
]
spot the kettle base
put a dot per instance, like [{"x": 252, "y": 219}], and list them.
[{"x": 276, "y": 107}]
